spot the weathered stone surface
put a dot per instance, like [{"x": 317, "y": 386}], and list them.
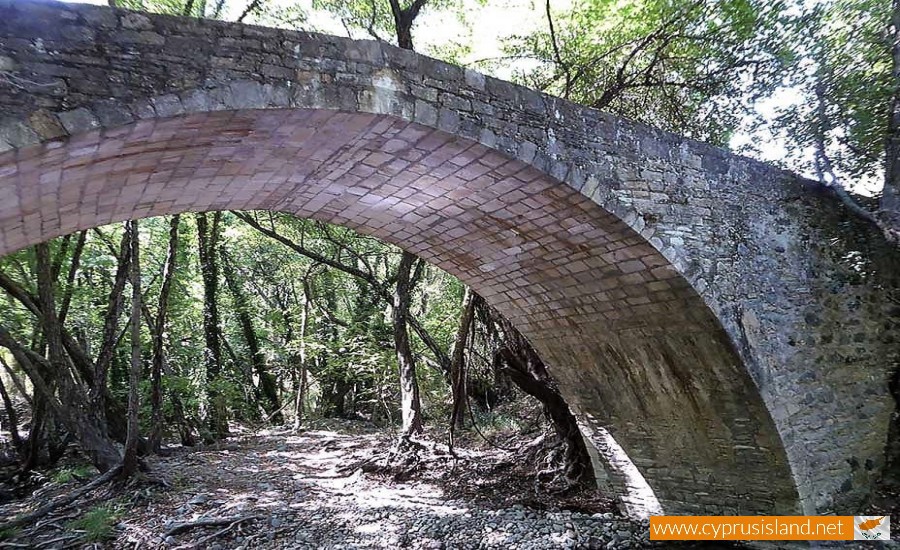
[
  {"x": 78, "y": 120},
  {"x": 7, "y": 64},
  {"x": 724, "y": 321},
  {"x": 46, "y": 125}
]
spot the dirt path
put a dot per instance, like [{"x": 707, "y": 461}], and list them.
[{"x": 282, "y": 490}]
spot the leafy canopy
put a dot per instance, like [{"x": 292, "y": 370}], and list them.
[{"x": 682, "y": 65}]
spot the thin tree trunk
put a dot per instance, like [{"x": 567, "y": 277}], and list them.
[
  {"x": 410, "y": 403},
  {"x": 30, "y": 456},
  {"x": 269, "y": 386},
  {"x": 20, "y": 386},
  {"x": 159, "y": 331},
  {"x": 403, "y": 21},
  {"x": 130, "y": 459},
  {"x": 70, "y": 277},
  {"x": 12, "y": 420},
  {"x": 48, "y": 325},
  {"x": 304, "y": 322},
  {"x": 578, "y": 469},
  {"x": 22, "y": 446},
  {"x": 890, "y": 199},
  {"x": 56, "y": 264},
  {"x": 458, "y": 363},
  {"x": 35, "y": 436},
  {"x": 28, "y": 451},
  {"x": 115, "y": 305},
  {"x": 207, "y": 237}
]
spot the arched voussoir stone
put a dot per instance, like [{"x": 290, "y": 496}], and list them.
[{"x": 677, "y": 291}]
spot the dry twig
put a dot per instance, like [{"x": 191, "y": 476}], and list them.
[{"x": 207, "y": 522}]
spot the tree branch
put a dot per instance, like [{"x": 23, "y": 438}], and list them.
[
  {"x": 369, "y": 278},
  {"x": 253, "y": 6},
  {"x": 556, "y": 53}
]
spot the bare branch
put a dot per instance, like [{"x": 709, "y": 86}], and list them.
[{"x": 254, "y": 5}]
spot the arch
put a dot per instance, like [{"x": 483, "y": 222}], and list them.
[
  {"x": 766, "y": 330},
  {"x": 634, "y": 347}
]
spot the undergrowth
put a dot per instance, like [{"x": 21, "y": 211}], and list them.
[
  {"x": 98, "y": 524},
  {"x": 70, "y": 473}
]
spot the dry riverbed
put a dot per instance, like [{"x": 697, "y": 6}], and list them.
[{"x": 276, "y": 489}]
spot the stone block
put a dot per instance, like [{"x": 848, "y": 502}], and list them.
[
  {"x": 426, "y": 114},
  {"x": 78, "y": 120},
  {"x": 17, "y": 134},
  {"x": 46, "y": 125}
]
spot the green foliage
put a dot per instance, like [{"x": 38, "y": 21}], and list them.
[
  {"x": 842, "y": 75},
  {"x": 70, "y": 473},
  {"x": 198, "y": 8},
  {"x": 375, "y": 17},
  {"x": 98, "y": 524},
  {"x": 515, "y": 417},
  {"x": 680, "y": 65},
  {"x": 346, "y": 342}
]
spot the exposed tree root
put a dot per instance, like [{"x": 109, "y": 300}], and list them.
[
  {"x": 57, "y": 540},
  {"x": 402, "y": 461},
  {"x": 201, "y": 543},
  {"x": 61, "y": 501},
  {"x": 231, "y": 521}
]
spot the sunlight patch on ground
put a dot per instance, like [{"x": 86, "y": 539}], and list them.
[
  {"x": 639, "y": 499},
  {"x": 372, "y": 528},
  {"x": 421, "y": 496}
]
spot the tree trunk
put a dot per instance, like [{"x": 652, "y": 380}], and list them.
[
  {"x": 578, "y": 468},
  {"x": 114, "y": 411},
  {"x": 410, "y": 404},
  {"x": 271, "y": 402},
  {"x": 30, "y": 453},
  {"x": 159, "y": 332},
  {"x": 130, "y": 460},
  {"x": 40, "y": 427},
  {"x": 12, "y": 421},
  {"x": 520, "y": 362},
  {"x": 77, "y": 414},
  {"x": 458, "y": 363},
  {"x": 304, "y": 322},
  {"x": 70, "y": 277},
  {"x": 403, "y": 21},
  {"x": 207, "y": 238},
  {"x": 115, "y": 304},
  {"x": 35, "y": 436},
  {"x": 890, "y": 200},
  {"x": 24, "y": 449},
  {"x": 20, "y": 386}
]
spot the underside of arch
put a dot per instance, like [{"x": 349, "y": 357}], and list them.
[{"x": 635, "y": 349}]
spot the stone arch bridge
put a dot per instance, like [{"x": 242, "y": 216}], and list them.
[{"x": 705, "y": 312}]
